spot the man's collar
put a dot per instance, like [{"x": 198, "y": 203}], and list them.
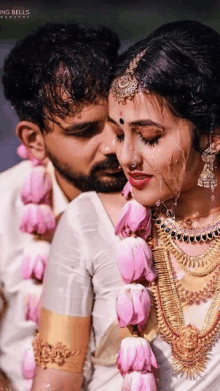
[{"x": 59, "y": 199}]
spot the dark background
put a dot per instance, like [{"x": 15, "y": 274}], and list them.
[{"x": 131, "y": 19}]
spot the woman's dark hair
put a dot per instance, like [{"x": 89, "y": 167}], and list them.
[
  {"x": 181, "y": 64},
  {"x": 57, "y": 69}
]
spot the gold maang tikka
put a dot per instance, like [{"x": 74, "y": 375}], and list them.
[
  {"x": 207, "y": 178},
  {"x": 126, "y": 86}
]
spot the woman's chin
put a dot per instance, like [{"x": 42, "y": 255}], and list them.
[{"x": 145, "y": 197}]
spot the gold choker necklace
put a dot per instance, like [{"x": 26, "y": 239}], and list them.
[{"x": 175, "y": 231}]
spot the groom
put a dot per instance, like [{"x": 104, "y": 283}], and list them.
[{"x": 57, "y": 80}]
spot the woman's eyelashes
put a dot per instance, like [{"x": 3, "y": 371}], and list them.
[
  {"x": 146, "y": 141},
  {"x": 150, "y": 141}
]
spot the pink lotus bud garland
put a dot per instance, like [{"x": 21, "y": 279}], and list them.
[
  {"x": 127, "y": 191},
  {"x": 28, "y": 367},
  {"x": 24, "y": 153},
  {"x": 137, "y": 381},
  {"x": 135, "y": 218},
  {"x": 35, "y": 258},
  {"x": 37, "y": 187},
  {"x": 135, "y": 260},
  {"x": 135, "y": 355},
  {"x": 135, "y": 361},
  {"x": 32, "y": 308},
  {"x": 38, "y": 218},
  {"x": 133, "y": 306}
]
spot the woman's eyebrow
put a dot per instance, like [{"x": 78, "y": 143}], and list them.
[
  {"x": 145, "y": 122},
  {"x": 139, "y": 122}
]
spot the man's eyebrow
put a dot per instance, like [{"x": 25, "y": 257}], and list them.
[
  {"x": 112, "y": 120},
  {"x": 78, "y": 126}
]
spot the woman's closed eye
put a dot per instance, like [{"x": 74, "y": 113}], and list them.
[
  {"x": 146, "y": 141},
  {"x": 150, "y": 141}
]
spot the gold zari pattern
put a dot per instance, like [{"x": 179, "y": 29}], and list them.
[
  {"x": 189, "y": 346},
  {"x": 46, "y": 353}
]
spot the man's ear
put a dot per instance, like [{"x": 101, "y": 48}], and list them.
[{"x": 32, "y": 137}]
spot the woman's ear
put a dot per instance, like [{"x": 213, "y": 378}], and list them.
[
  {"x": 216, "y": 140},
  {"x": 32, "y": 137}
]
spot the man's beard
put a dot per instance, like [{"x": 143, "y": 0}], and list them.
[{"x": 92, "y": 182}]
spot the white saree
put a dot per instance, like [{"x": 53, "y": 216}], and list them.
[{"x": 82, "y": 280}]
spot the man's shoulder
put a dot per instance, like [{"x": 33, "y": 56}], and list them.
[
  {"x": 14, "y": 177},
  {"x": 83, "y": 200},
  {"x": 83, "y": 206}
]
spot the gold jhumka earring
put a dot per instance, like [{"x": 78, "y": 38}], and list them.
[
  {"x": 126, "y": 86},
  {"x": 207, "y": 178}
]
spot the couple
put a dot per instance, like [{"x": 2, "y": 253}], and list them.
[{"x": 164, "y": 113}]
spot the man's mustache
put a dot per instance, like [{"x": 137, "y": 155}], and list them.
[{"x": 110, "y": 162}]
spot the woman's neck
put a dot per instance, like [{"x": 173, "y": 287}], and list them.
[{"x": 197, "y": 205}]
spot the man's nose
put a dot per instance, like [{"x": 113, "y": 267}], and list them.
[{"x": 107, "y": 145}]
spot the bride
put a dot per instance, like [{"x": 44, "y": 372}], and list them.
[{"x": 165, "y": 111}]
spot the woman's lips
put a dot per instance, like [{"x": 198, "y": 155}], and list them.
[{"x": 138, "y": 179}]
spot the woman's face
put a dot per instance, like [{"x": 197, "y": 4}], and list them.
[{"x": 160, "y": 145}]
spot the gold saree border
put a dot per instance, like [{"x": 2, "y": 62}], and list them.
[{"x": 62, "y": 341}]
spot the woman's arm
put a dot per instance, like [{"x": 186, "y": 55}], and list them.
[{"x": 56, "y": 380}]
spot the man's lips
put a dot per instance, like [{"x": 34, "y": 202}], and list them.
[
  {"x": 107, "y": 171},
  {"x": 138, "y": 179}
]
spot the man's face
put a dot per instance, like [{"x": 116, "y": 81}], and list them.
[{"x": 82, "y": 149}]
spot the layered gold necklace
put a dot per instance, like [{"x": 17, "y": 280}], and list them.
[{"x": 189, "y": 345}]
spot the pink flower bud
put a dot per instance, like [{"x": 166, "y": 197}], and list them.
[
  {"x": 32, "y": 308},
  {"x": 24, "y": 153},
  {"x": 135, "y": 260},
  {"x": 37, "y": 187},
  {"x": 28, "y": 363},
  {"x": 127, "y": 191},
  {"x": 37, "y": 219},
  {"x": 135, "y": 355},
  {"x": 29, "y": 384},
  {"x": 137, "y": 381},
  {"x": 133, "y": 306},
  {"x": 35, "y": 259},
  {"x": 134, "y": 218}
]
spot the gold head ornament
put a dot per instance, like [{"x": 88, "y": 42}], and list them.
[{"x": 126, "y": 86}]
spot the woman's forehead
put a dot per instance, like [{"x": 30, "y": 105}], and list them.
[{"x": 142, "y": 106}]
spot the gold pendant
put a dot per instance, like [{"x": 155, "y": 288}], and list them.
[{"x": 189, "y": 352}]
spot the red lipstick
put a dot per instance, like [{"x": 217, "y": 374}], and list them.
[{"x": 138, "y": 179}]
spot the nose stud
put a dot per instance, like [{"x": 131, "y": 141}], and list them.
[{"x": 107, "y": 149}]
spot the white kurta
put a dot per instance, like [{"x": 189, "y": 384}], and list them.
[
  {"x": 16, "y": 333},
  {"x": 83, "y": 279}
]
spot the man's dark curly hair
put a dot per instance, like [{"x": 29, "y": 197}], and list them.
[
  {"x": 57, "y": 69},
  {"x": 182, "y": 65}
]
